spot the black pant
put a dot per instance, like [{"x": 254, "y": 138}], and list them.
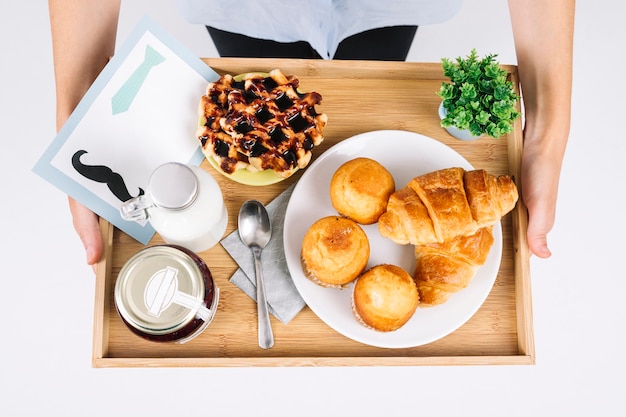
[{"x": 384, "y": 44}]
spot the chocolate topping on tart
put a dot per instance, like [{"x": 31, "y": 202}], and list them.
[{"x": 262, "y": 122}]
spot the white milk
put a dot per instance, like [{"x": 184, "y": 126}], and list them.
[{"x": 185, "y": 206}]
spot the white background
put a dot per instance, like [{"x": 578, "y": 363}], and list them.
[{"x": 578, "y": 295}]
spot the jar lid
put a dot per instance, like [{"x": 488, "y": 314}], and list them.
[
  {"x": 161, "y": 289},
  {"x": 173, "y": 186}
]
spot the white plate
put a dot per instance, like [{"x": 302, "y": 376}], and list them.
[{"x": 405, "y": 155}]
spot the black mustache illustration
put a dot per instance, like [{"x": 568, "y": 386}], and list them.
[{"x": 103, "y": 174}]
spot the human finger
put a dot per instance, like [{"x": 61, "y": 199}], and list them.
[{"x": 88, "y": 229}]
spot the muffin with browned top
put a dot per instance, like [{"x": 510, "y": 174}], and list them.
[
  {"x": 335, "y": 250},
  {"x": 360, "y": 188},
  {"x": 384, "y": 298}
]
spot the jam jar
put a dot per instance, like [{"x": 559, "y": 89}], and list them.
[{"x": 166, "y": 293}]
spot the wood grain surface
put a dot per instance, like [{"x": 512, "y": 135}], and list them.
[{"x": 358, "y": 97}]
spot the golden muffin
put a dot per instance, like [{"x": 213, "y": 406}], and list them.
[
  {"x": 360, "y": 188},
  {"x": 384, "y": 298},
  {"x": 335, "y": 251}
]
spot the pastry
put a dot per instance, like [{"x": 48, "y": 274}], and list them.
[
  {"x": 444, "y": 204},
  {"x": 442, "y": 269},
  {"x": 384, "y": 298},
  {"x": 335, "y": 251},
  {"x": 259, "y": 123},
  {"x": 360, "y": 188}
]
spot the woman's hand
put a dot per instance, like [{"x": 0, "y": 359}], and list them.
[
  {"x": 81, "y": 46},
  {"x": 87, "y": 226},
  {"x": 540, "y": 181},
  {"x": 543, "y": 31}
]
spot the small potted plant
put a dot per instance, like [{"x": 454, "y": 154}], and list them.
[{"x": 479, "y": 99}]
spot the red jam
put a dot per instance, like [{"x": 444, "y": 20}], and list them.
[{"x": 166, "y": 293}]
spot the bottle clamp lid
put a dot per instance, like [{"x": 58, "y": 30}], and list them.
[{"x": 173, "y": 186}]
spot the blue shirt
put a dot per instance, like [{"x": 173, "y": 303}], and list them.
[{"x": 321, "y": 23}]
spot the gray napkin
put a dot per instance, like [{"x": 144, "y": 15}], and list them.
[{"x": 282, "y": 296}]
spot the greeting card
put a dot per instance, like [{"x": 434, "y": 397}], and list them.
[{"x": 139, "y": 113}]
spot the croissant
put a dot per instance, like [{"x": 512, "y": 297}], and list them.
[
  {"x": 442, "y": 269},
  {"x": 444, "y": 204}
]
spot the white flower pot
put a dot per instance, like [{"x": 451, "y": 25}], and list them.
[{"x": 462, "y": 134}]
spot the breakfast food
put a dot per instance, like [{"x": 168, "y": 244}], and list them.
[
  {"x": 444, "y": 204},
  {"x": 260, "y": 123},
  {"x": 442, "y": 269},
  {"x": 335, "y": 251},
  {"x": 447, "y": 215},
  {"x": 360, "y": 188},
  {"x": 384, "y": 298}
]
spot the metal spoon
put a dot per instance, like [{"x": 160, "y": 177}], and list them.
[{"x": 255, "y": 231}]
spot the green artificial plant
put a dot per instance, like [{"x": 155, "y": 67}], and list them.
[{"x": 479, "y": 98}]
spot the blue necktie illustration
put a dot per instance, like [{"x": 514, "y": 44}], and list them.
[{"x": 122, "y": 99}]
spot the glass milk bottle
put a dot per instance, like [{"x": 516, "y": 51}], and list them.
[{"x": 184, "y": 204}]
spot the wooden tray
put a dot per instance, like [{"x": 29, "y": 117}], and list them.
[{"x": 358, "y": 97}]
